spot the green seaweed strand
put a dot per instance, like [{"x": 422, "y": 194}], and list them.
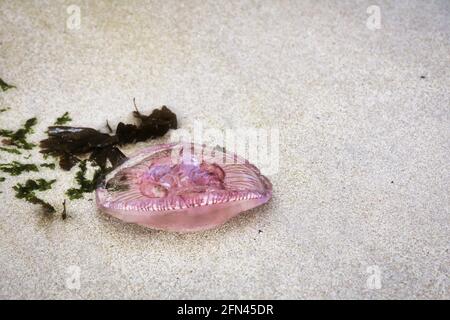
[
  {"x": 4, "y": 86},
  {"x": 63, "y": 119},
  {"x": 16, "y": 168},
  {"x": 85, "y": 185},
  {"x": 18, "y": 138},
  {"x": 28, "y": 190}
]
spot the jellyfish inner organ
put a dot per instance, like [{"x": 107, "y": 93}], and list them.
[{"x": 162, "y": 180}]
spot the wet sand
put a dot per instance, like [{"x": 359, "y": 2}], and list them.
[{"x": 361, "y": 192}]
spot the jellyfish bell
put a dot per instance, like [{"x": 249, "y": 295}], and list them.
[{"x": 182, "y": 187}]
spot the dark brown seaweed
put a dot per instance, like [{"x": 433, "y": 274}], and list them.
[
  {"x": 113, "y": 154},
  {"x": 64, "y": 212},
  {"x": 69, "y": 143},
  {"x": 155, "y": 125}
]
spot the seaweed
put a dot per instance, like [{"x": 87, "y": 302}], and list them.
[
  {"x": 10, "y": 150},
  {"x": 101, "y": 155},
  {"x": 2, "y": 179},
  {"x": 64, "y": 212},
  {"x": 63, "y": 119},
  {"x": 4, "y": 109},
  {"x": 85, "y": 185},
  {"x": 18, "y": 138},
  {"x": 152, "y": 126},
  {"x": 48, "y": 165},
  {"x": 16, "y": 168},
  {"x": 28, "y": 190},
  {"x": 4, "y": 86},
  {"x": 110, "y": 130},
  {"x": 70, "y": 143}
]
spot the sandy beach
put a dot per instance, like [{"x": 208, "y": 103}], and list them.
[{"x": 361, "y": 201}]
